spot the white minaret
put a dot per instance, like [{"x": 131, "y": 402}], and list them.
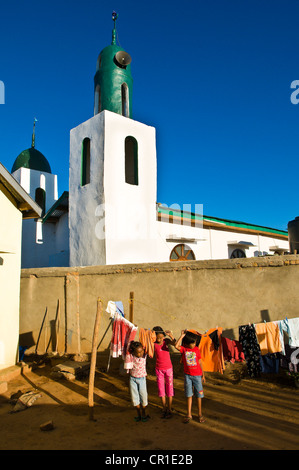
[
  {"x": 113, "y": 174},
  {"x": 32, "y": 170}
]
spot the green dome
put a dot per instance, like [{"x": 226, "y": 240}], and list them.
[{"x": 33, "y": 159}]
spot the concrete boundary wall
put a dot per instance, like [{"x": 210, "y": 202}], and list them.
[{"x": 175, "y": 295}]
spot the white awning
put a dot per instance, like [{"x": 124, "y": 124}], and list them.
[
  {"x": 177, "y": 239},
  {"x": 278, "y": 249},
  {"x": 242, "y": 243}
]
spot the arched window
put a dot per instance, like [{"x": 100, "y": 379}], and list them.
[
  {"x": 85, "y": 162},
  {"x": 42, "y": 182},
  {"x": 125, "y": 100},
  {"x": 40, "y": 199},
  {"x": 237, "y": 253},
  {"x": 182, "y": 253},
  {"x": 131, "y": 160}
]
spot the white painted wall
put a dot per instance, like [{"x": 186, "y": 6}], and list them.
[
  {"x": 111, "y": 221},
  {"x": 213, "y": 244},
  {"x": 37, "y": 254},
  {"x": 86, "y": 248},
  {"x": 130, "y": 225},
  {"x": 53, "y": 246},
  {"x": 38, "y": 240},
  {"x": 30, "y": 180},
  {"x": 10, "y": 265},
  {"x": 62, "y": 253}
]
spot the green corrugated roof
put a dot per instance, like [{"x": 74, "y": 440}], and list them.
[
  {"x": 59, "y": 207},
  {"x": 225, "y": 222}
]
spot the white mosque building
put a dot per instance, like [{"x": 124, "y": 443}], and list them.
[{"x": 110, "y": 214}]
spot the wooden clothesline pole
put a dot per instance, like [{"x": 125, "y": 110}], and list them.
[
  {"x": 78, "y": 314},
  {"x": 93, "y": 359},
  {"x": 57, "y": 324},
  {"x": 131, "y": 307},
  {"x": 41, "y": 328}
]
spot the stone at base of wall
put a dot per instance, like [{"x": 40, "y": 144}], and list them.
[{"x": 70, "y": 370}]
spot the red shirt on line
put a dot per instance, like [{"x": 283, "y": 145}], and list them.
[{"x": 190, "y": 360}]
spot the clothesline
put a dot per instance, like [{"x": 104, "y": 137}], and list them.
[
  {"x": 173, "y": 317},
  {"x": 255, "y": 346},
  {"x": 199, "y": 329},
  {"x": 202, "y": 329}
]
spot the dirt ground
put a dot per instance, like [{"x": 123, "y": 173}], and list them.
[{"x": 241, "y": 413}]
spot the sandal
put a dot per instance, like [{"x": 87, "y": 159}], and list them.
[
  {"x": 137, "y": 418},
  {"x": 144, "y": 419},
  {"x": 187, "y": 419},
  {"x": 168, "y": 414},
  {"x": 201, "y": 419}
]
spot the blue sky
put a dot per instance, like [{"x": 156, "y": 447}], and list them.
[{"x": 213, "y": 77}]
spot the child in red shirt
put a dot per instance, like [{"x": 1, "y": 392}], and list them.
[{"x": 193, "y": 370}]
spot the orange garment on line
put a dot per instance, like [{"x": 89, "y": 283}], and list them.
[
  {"x": 268, "y": 337},
  {"x": 212, "y": 359},
  {"x": 194, "y": 332},
  {"x": 147, "y": 338}
]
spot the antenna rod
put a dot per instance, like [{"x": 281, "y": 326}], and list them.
[
  {"x": 114, "y": 18},
  {"x": 33, "y": 134}
]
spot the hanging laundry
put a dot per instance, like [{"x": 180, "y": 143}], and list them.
[
  {"x": 215, "y": 339},
  {"x": 115, "y": 346},
  {"x": 115, "y": 307},
  {"x": 290, "y": 360},
  {"x": 268, "y": 337},
  {"x": 291, "y": 327},
  {"x": 282, "y": 327},
  {"x": 127, "y": 356},
  {"x": 211, "y": 351},
  {"x": 122, "y": 333},
  {"x": 251, "y": 349},
  {"x": 120, "y": 307},
  {"x": 197, "y": 334},
  {"x": 293, "y": 333},
  {"x": 269, "y": 363},
  {"x": 232, "y": 350},
  {"x": 147, "y": 338}
]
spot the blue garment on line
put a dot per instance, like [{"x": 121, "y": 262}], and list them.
[
  {"x": 120, "y": 307},
  {"x": 269, "y": 363}
]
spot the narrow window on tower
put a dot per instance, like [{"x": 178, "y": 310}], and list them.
[
  {"x": 85, "y": 162},
  {"x": 125, "y": 100},
  {"x": 131, "y": 160},
  {"x": 40, "y": 199}
]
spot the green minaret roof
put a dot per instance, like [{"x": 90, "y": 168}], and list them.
[
  {"x": 113, "y": 78},
  {"x": 32, "y": 158}
]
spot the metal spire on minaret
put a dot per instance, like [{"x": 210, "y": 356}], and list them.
[
  {"x": 114, "y": 18},
  {"x": 33, "y": 134}
]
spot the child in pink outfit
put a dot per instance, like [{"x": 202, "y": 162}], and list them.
[{"x": 164, "y": 369}]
